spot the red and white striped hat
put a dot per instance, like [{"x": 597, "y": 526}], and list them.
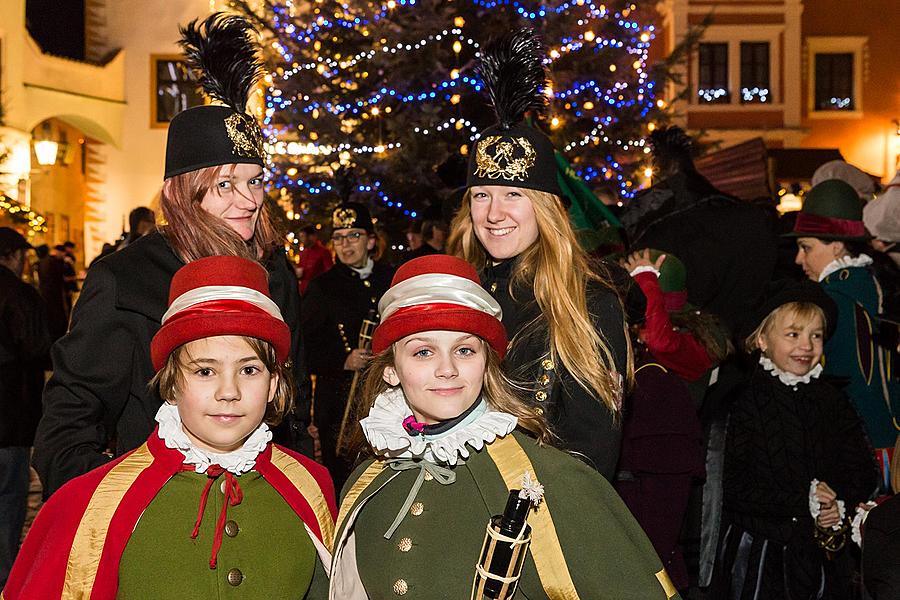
[
  {"x": 220, "y": 295},
  {"x": 438, "y": 293}
]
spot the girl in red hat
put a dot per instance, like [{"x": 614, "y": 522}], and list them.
[
  {"x": 445, "y": 436},
  {"x": 197, "y": 501}
]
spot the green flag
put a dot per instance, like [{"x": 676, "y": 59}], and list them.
[{"x": 586, "y": 211}]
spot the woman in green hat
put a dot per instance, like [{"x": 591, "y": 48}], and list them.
[{"x": 832, "y": 249}]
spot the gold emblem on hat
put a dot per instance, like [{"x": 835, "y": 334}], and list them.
[
  {"x": 343, "y": 218},
  {"x": 504, "y": 158},
  {"x": 245, "y": 135}
]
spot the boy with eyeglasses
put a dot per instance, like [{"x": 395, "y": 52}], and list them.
[{"x": 334, "y": 307}]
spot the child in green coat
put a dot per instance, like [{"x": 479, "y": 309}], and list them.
[{"x": 449, "y": 439}]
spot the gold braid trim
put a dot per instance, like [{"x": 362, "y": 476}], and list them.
[
  {"x": 309, "y": 488},
  {"x": 90, "y": 537},
  {"x": 546, "y": 550},
  {"x": 358, "y": 487}
]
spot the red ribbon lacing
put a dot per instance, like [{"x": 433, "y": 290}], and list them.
[{"x": 233, "y": 496}]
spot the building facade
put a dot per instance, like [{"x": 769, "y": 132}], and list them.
[
  {"x": 107, "y": 115},
  {"x": 800, "y": 74}
]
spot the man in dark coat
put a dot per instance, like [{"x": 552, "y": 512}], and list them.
[
  {"x": 98, "y": 394},
  {"x": 728, "y": 247},
  {"x": 334, "y": 307},
  {"x": 52, "y": 270},
  {"x": 24, "y": 344}
]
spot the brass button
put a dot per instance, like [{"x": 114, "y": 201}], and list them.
[
  {"x": 493, "y": 287},
  {"x": 417, "y": 509},
  {"x": 539, "y": 411},
  {"x": 288, "y": 364},
  {"x": 341, "y": 326},
  {"x": 545, "y": 379},
  {"x": 428, "y": 476},
  {"x": 401, "y": 587},
  {"x": 404, "y": 545},
  {"x": 372, "y": 299},
  {"x": 547, "y": 364},
  {"x": 231, "y": 528},
  {"x": 540, "y": 395},
  {"x": 235, "y": 577},
  {"x": 367, "y": 283}
]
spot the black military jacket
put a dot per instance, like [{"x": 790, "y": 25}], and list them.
[
  {"x": 334, "y": 306},
  {"x": 98, "y": 393},
  {"x": 581, "y": 421}
]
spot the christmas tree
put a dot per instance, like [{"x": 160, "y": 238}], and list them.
[{"x": 367, "y": 99}]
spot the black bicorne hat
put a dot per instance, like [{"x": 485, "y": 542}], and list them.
[
  {"x": 352, "y": 215},
  {"x": 223, "y": 51},
  {"x": 512, "y": 152}
]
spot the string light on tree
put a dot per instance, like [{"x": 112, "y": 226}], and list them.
[{"x": 390, "y": 89}]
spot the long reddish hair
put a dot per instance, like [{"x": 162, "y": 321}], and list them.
[{"x": 194, "y": 233}]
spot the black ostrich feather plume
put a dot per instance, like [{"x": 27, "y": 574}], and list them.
[
  {"x": 223, "y": 51},
  {"x": 512, "y": 68}
]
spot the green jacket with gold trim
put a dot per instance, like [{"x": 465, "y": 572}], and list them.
[
  {"x": 854, "y": 354},
  {"x": 585, "y": 543}
]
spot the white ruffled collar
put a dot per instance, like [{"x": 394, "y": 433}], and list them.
[
  {"x": 385, "y": 432},
  {"x": 789, "y": 378},
  {"x": 844, "y": 262},
  {"x": 237, "y": 462}
]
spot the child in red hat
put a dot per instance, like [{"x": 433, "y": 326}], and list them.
[
  {"x": 208, "y": 496},
  {"x": 448, "y": 438}
]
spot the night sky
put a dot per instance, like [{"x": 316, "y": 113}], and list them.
[{"x": 57, "y": 26}]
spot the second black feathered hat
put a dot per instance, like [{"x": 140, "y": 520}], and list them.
[
  {"x": 223, "y": 51},
  {"x": 512, "y": 152}
]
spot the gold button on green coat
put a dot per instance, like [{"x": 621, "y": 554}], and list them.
[
  {"x": 231, "y": 528},
  {"x": 405, "y": 544},
  {"x": 235, "y": 577},
  {"x": 401, "y": 587},
  {"x": 417, "y": 509}
]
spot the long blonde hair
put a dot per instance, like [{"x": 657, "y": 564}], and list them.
[
  {"x": 558, "y": 270},
  {"x": 194, "y": 233}
]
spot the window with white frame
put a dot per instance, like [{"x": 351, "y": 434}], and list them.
[
  {"x": 835, "y": 74},
  {"x": 737, "y": 68}
]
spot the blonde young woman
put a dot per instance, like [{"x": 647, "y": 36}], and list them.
[
  {"x": 213, "y": 204},
  {"x": 565, "y": 322}
]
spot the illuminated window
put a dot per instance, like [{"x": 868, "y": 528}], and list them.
[
  {"x": 173, "y": 89},
  {"x": 755, "y": 81},
  {"x": 834, "y": 82},
  {"x": 713, "y": 82}
]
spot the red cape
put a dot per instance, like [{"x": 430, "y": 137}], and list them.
[{"x": 75, "y": 545}]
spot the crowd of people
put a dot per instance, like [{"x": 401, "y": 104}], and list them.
[{"x": 504, "y": 410}]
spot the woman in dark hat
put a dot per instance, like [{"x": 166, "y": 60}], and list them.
[
  {"x": 797, "y": 461},
  {"x": 212, "y": 203},
  {"x": 832, "y": 250},
  {"x": 565, "y": 321}
]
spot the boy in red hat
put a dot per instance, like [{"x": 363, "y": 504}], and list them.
[
  {"x": 198, "y": 500},
  {"x": 441, "y": 431}
]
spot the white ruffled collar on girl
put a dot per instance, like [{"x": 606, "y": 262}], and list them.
[
  {"x": 385, "y": 432},
  {"x": 237, "y": 462},
  {"x": 863, "y": 260},
  {"x": 789, "y": 378}
]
